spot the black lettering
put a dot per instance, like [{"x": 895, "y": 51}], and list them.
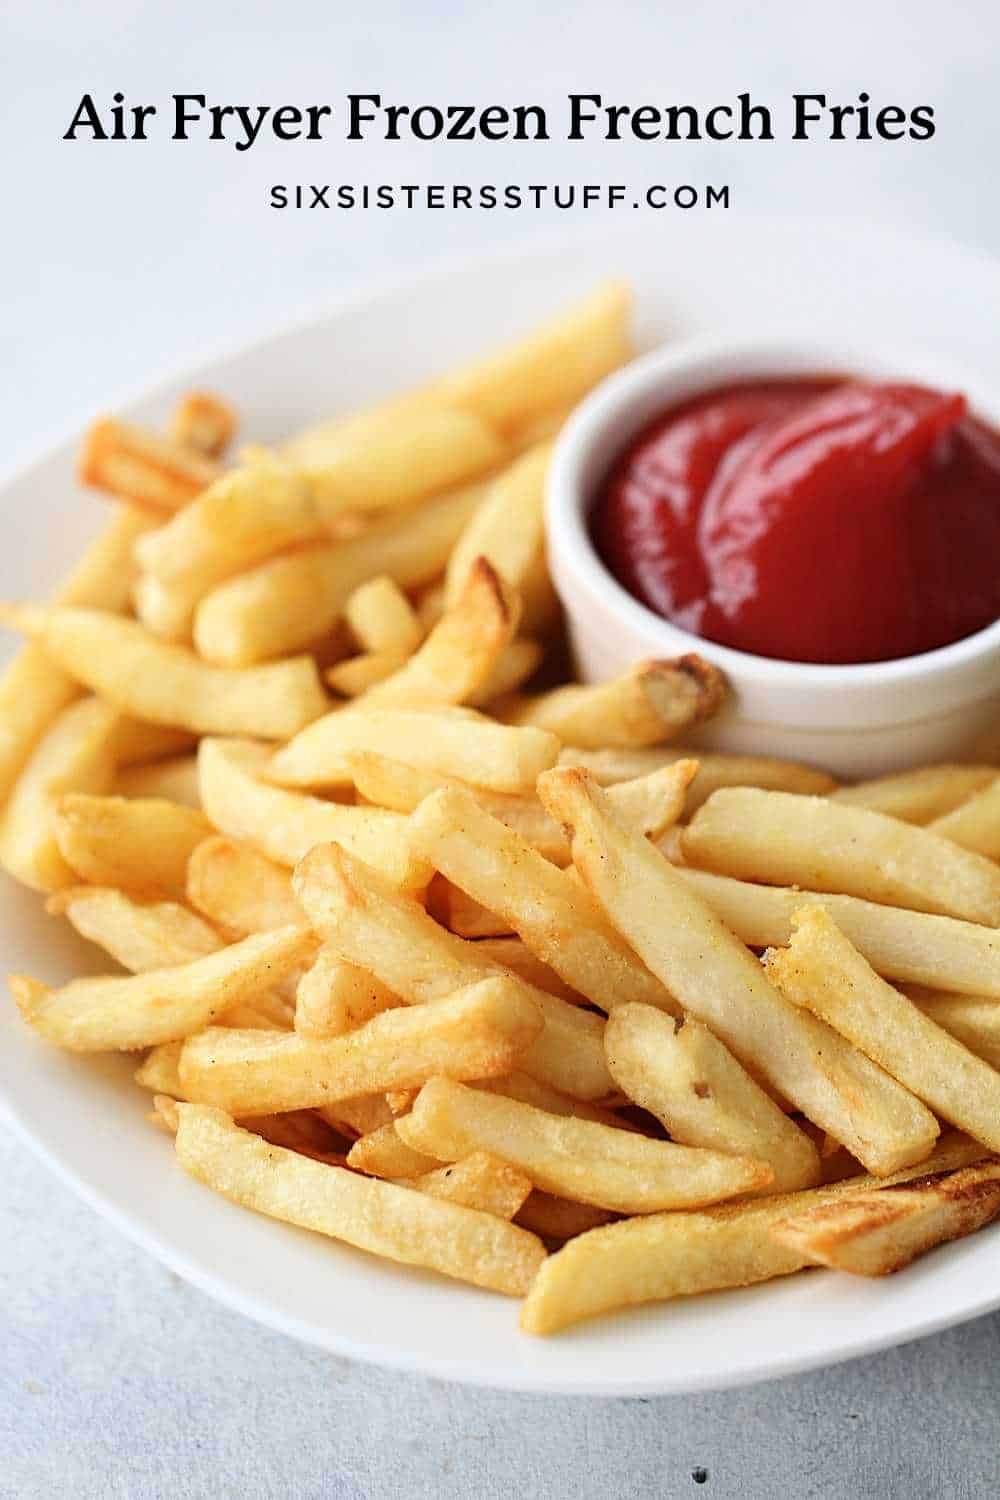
[
  {"x": 357, "y": 117},
  {"x": 183, "y": 117},
  {"x": 433, "y": 128},
  {"x": 278, "y": 196},
  {"x": 922, "y": 125},
  {"x": 749, "y": 113},
  {"x": 86, "y": 118},
  {"x": 319, "y": 195},
  {"x": 315, "y": 113},
  {"x": 886, "y": 119},
  {"x": 284, "y": 120},
  {"x": 686, "y": 196},
  {"x": 494, "y": 123},
  {"x": 715, "y": 132},
  {"x": 804, "y": 117},
  {"x": 675, "y": 114},
  {"x": 716, "y": 196},
  {"x": 579, "y": 116},
  {"x": 536, "y": 113}
]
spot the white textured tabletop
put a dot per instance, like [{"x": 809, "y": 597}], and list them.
[{"x": 117, "y": 1381}]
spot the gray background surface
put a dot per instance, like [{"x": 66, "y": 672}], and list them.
[{"x": 124, "y": 261}]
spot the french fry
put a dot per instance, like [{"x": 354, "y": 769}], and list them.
[
  {"x": 660, "y": 1256},
  {"x": 906, "y": 945},
  {"x": 877, "y": 1233},
  {"x": 651, "y": 702},
  {"x": 381, "y": 1217},
  {"x": 528, "y": 1090},
  {"x": 511, "y": 953},
  {"x": 478, "y": 1031},
  {"x": 155, "y": 473},
  {"x": 462, "y": 914},
  {"x": 971, "y": 1019},
  {"x": 694, "y": 1086},
  {"x": 819, "y": 844},
  {"x": 508, "y": 529},
  {"x": 369, "y": 924},
  {"x": 286, "y": 825},
  {"x": 239, "y": 889},
  {"x": 478, "y": 1181},
  {"x": 384, "y": 1153},
  {"x": 917, "y": 796},
  {"x": 821, "y": 969},
  {"x": 674, "y": 933},
  {"x": 166, "y": 684},
  {"x": 166, "y": 610},
  {"x": 573, "y": 1158},
  {"x": 552, "y": 913},
  {"x": 139, "y": 844},
  {"x": 359, "y": 674},
  {"x": 382, "y": 619},
  {"x": 137, "y": 743},
  {"x": 518, "y": 661},
  {"x": 204, "y": 423},
  {"x": 159, "y": 1070},
  {"x": 165, "y": 1113},
  {"x": 288, "y": 603},
  {"x": 137, "y": 934},
  {"x": 358, "y": 1116},
  {"x": 33, "y": 691},
  {"x": 558, "y": 1219},
  {"x": 176, "y": 780},
  {"x": 714, "y": 770},
  {"x": 466, "y": 746},
  {"x": 975, "y": 824},
  {"x": 161, "y": 1005},
  {"x": 333, "y": 997},
  {"x": 76, "y": 753}
]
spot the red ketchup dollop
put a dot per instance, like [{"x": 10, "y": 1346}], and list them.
[{"x": 811, "y": 520}]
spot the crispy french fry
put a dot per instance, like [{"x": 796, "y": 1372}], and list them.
[
  {"x": 137, "y": 743},
  {"x": 694, "y": 1086},
  {"x": 384, "y": 1153},
  {"x": 156, "y": 473},
  {"x": 76, "y": 753},
  {"x": 161, "y": 1005},
  {"x": 165, "y": 609},
  {"x": 528, "y": 1090},
  {"x": 176, "y": 780},
  {"x": 573, "y": 1158},
  {"x": 660, "y": 1256},
  {"x": 359, "y": 674},
  {"x": 973, "y": 1020},
  {"x": 480, "y": 1030},
  {"x": 508, "y": 529},
  {"x": 822, "y": 970},
  {"x": 907, "y": 945},
  {"x": 288, "y": 603},
  {"x": 819, "y": 844},
  {"x": 165, "y": 1113},
  {"x": 358, "y": 1116},
  {"x": 462, "y": 914},
  {"x": 559, "y": 1219},
  {"x": 370, "y": 925},
  {"x": 333, "y": 997},
  {"x": 975, "y": 824},
  {"x": 467, "y": 746},
  {"x": 137, "y": 934},
  {"x": 714, "y": 770},
  {"x": 477, "y": 1181},
  {"x": 204, "y": 423},
  {"x": 917, "y": 796},
  {"x": 167, "y": 684},
  {"x": 651, "y": 702},
  {"x": 518, "y": 661},
  {"x": 382, "y": 1217},
  {"x": 286, "y": 825},
  {"x": 553, "y": 914},
  {"x": 137, "y": 843},
  {"x": 719, "y": 981},
  {"x": 512, "y": 953},
  {"x": 158, "y": 1070},
  {"x": 239, "y": 889},
  {"x": 382, "y": 619}
]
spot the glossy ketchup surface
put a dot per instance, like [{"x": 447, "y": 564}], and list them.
[{"x": 811, "y": 520}]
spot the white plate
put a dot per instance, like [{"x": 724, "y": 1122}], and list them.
[{"x": 85, "y": 1118}]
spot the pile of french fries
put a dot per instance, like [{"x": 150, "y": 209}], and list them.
[{"x": 431, "y": 953}]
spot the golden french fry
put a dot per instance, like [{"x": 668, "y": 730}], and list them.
[
  {"x": 369, "y": 924},
  {"x": 161, "y": 1005},
  {"x": 288, "y": 603},
  {"x": 478, "y": 1031},
  {"x": 816, "y": 843},
  {"x": 175, "y": 780},
  {"x": 508, "y": 529},
  {"x": 822, "y": 970},
  {"x": 876, "y": 1233},
  {"x": 917, "y": 796},
  {"x": 651, "y": 702},
  {"x": 167, "y": 684},
  {"x": 165, "y": 1113},
  {"x": 33, "y": 691},
  {"x": 973, "y": 1020},
  {"x": 694, "y": 1086},
  {"x": 239, "y": 889},
  {"x": 558, "y": 1219},
  {"x": 137, "y": 743},
  {"x": 359, "y": 674},
  {"x": 382, "y": 619},
  {"x": 906, "y": 945},
  {"x": 462, "y": 914},
  {"x": 660, "y": 1256},
  {"x": 518, "y": 661},
  {"x": 76, "y": 753},
  {"x": 466, "y": 745},
  {"x": 477, "y": 1181},
  {"x": 528, "y": 1090},
  {"x": 573, "y": 1158},
  {"x": 166, "y": 610},
  {"x": 136, "y": 843},
  {"x": 153, "y": 472},
  {"x": 714, "y": 770},
  {"x": 718, "y": 980},
  {"x": 384, "y": 1153},
  {"x": 333, "y": 997},
  {"x": 286, "y": 825},
  {"x": 357, "y": 1116},
  {"x": 139, "y": 935},
  {"x": 552, "y": 913},
  {"x": 975, "y": 824},
  {"x": 381, "y": 1217},
  {"x": 204, "y": 423},
  {"x": 511, "y": 953},
  {"x": 159, "y": 1070}
]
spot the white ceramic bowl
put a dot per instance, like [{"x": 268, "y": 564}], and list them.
[{"x": 853, "y": 720}]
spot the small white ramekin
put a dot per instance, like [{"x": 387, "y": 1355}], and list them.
[{"x": 853, "y": 720}]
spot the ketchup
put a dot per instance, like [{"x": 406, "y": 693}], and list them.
[{"x": 811, "y": 520}]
